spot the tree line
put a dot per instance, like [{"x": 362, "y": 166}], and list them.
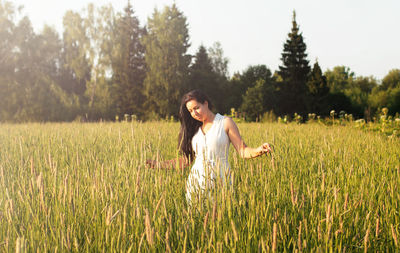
[{"x": 107, "y": 64}]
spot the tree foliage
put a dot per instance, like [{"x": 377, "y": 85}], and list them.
[
  {"x": 318, "y": 91},
  {"x": 391, "y": 80},
  {"x": 259, "y": 92},
  {"x": 387, "y": 94},
  {"x": 241, "y": 82},
  {"x": 205, "y": 76},
  {"x": 76, "y": 67},
  {"x": 166, "y": 43},
  {"x": 107, "y": 64},
  {"x": 253, "y": 101},
  {"x": 128, "y": 64},
  {"x": 219, "y": 62},
  {"x": 294, "y": 72}
]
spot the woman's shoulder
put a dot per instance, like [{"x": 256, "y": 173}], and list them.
[
  {"x": 222, "y": 118},
  {"x": 228, "y": 122}
]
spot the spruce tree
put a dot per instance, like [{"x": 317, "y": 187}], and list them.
[
  {"x": 317, "y": 84},
  {"x": 294, "y": 72},
  {"x": 166, "y": 45},
  {"x": 202, "y": 60},
  {"x": 318, "y": 90},
  {"x": 128, "y": 64},
  {"x": 203, "y": 77}
]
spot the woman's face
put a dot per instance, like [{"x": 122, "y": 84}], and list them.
[{"x": 198, "y": 110}]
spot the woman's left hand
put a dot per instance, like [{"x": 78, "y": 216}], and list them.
[{"x": 266, "y": 148}]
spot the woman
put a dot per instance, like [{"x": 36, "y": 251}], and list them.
[{"x": 205, "y": 137}]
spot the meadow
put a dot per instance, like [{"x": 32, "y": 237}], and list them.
[{"x": 84, "y": 187}]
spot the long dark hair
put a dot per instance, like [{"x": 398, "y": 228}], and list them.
[{"x": 189, "y": 126}]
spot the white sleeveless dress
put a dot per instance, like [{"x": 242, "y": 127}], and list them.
[{"x": 211, "y": 151}]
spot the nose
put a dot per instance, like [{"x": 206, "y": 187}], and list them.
[{"x": 195, "y": 114}]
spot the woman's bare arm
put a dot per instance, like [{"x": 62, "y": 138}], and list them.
[{"x": 241, "y": 147}]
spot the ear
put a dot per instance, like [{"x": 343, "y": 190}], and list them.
[{"x": 206, "y": 103}]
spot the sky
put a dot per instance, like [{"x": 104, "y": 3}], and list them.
[{"x": 360, "y": 34}]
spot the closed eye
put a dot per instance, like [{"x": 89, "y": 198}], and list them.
[{"x": 191, "y": 110}]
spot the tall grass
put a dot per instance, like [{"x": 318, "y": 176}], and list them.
[{"x": 85, "y": 187}]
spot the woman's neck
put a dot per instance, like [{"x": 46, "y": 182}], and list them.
[{"x": 210, "y": 118}]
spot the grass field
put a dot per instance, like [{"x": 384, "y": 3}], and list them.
[{"x": 84, "y": 187}]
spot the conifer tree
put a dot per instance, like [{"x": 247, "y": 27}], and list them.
[
  {"x": 128, "y": 64},
  {"x": 294, "y": 72},
  {"x": 167, "y": 62},
  {"x": 317, "y": 84},
  {"x": 202, "y": 61},
  {"x": 318, "y": 90},
  {"x": 219, "y": 62},
  {"x": 203, "y": 76}
]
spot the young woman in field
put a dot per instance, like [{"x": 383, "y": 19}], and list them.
[{"x": 204, "y": 138}]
